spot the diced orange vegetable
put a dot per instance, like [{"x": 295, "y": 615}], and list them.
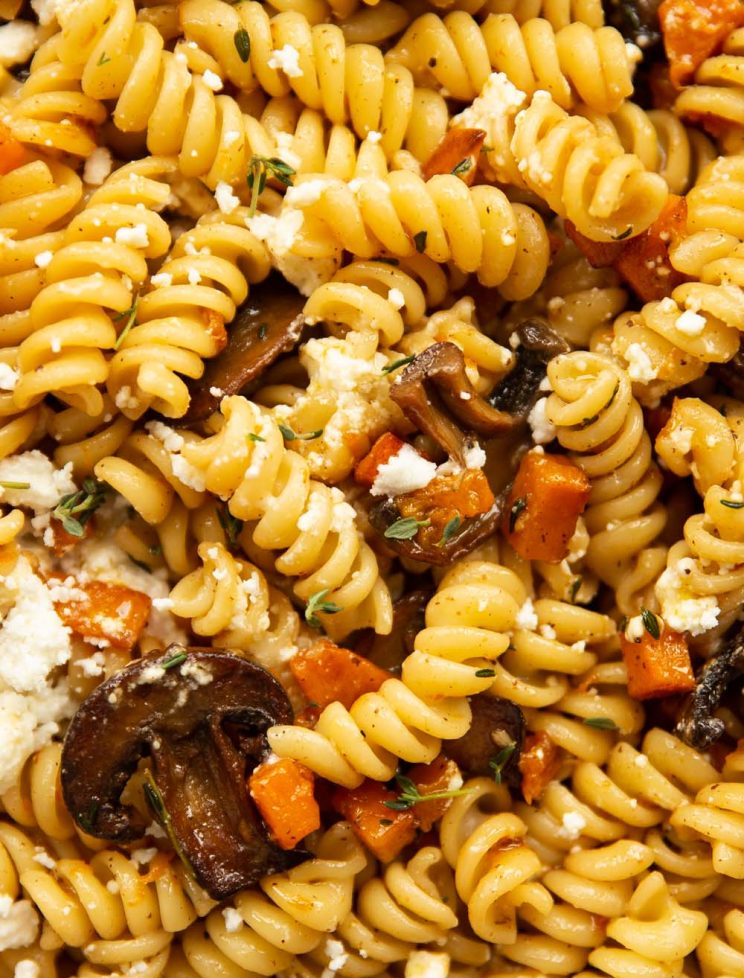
[
  {"x": 644, "y": 262},
  {"x": 382, "y": 830},
  {"x": 215, "y": 325},
  {"x": 325, "y": 673},
  {"x": 382, "y": 451},
  {"x": 464, "y": 494},
  {"x": 548, "y": 496},
  {"x": 430, "y": 779},
  {"x": 284, "y": 795},
  {"x": 12, "y": 153},
  {"x": 111, "y": 612},
  {"x": 308, "y": 717},
  {"x": 657, "y": 666},
  {"x": 62, "y": 541},
  {"x": 158, "y": 867},
  {"x": 599, "y": 254},
  {"x": 693, "y": 30},
  {"x": 539, "y": 764},
  {"x": 458, "y": 153}
]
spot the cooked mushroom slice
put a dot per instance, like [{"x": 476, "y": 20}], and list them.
[
  {"x": 268, "y": 324},
  {"x": 434, "y": 388},
  {"x": 637, "y": 21},
  {"x": 731, "y": 374},
  {"x": 493, "y": 744},
  {"x": 518, "y": 391},
  {"x": 697, "y": 726},
  {"x": 457, "y": 544},
  {"x": 201, "y": 716},
  {"x": 389, "y": 651}
]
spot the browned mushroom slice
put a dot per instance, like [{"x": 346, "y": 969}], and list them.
[
  {"x": 434, "y": 388},
  {"x": 731, "y": 374},
  {"x": 494, "y": 741},
  {"x": 389, "y": 651},
  {"x": 268, "y": 324},
  {"x": 201, "y": 715},
  {"x": 698, "y": 726},
  {"x": 518, "y": 391}
]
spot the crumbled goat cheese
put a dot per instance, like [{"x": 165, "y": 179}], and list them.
[
  {"x": 201, "y": 674},
  {"x": 691, "y": 323},
  {"x": 19, "y": 923},
  {"x": 162, "y": 280},
  {"x": 45, "y": 10},
  {"x": 526, "y": 616},
  {"x": 306, "y": 193},
  {"x": 98, "y": 166},
  {"x": 499, "y": 101},
  {"x": 233, "y": 920},
  {"x": 18, "y": 41},
  {"x": 27, "y": 969},
  {"x": 543, "y": 430},
  {"x": 396, "y": 298},
  {"x": 404, "y": 472},
  {"x": 373, "y": 136},
  {"x": 337, "y": 955},
  {"x": 227, "y": 201},
  {"x": 212, "y": 80},
  {"x": 634, "y": 629},
  {"x": 640, "y": 368},
  {"x": 572, "y": 825},
  {"x": 135, "y": 236},
  {"x": 278, "y": 234},
  {"x": 286, "y": 59},
  {"x": 42, "y": 857},
  {"x": 680, "y": 608},
  {"x": 144, "y": 856},
  {"x": 8, "y": 377},
  {"x": 475, "y": 457},
  {"x": 46, "y": 482},
  {"x": 43, "y": 259},
  {"x": 427, "y": 964},
  {"x": 92, "y": 666}
]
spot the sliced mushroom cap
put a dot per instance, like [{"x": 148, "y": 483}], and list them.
[
  {"x": 697, "y": 726},
  {"x": 518, "y": 391},
  {"x": 268, "y": 324},
  {"x": 497, "y": 723},
  {"x": 637, "y": 21},
  {"x": 201, "y": 716}
]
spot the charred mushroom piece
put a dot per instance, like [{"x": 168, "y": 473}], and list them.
[
  {"x": 697, "y": 725},
  {"x": 434, "y": 388},
  {"x": 518, "y": 391},
  {"x": 268, "y": 324},
  {"x": 494, "y": 742},
  {"x": 201, "y": 715},
  {"x": 731, "y": 374},
  {"x": 637, "y": 21},
  {"x": 389, "y": 651}
]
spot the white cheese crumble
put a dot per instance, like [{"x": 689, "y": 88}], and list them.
[
  {"x": 572, "y": 825},
  {"x": 144, "y": 856},
  {"x": 640, "y": 368},
  {"x": 227, "y": 201},
  {"x": 8, "y": 377},
  {"x": 337, "y": 955},
  {"x": 135, "y": 236},
  {"x": 427, "y": 964},
  {"x": 373, "y": 136},
  {"x": 18, "y": 41},
  {"x": 634, "y": 629},
  {"x": 233, "y": 920},
  {"x": 47, "y": 484},
  {"x": 19, "y": 923},
  {"x": 27, "y": 969},
  {"x": 98, "y": 166},
  {"x": 403, "y": 472},
  {"x": 498, "y": 99},
  {"x": 212, "y": 80},
  {"x": 475, "y": 457},
  {"x": 680, "y": 608},
  {"x": 691, "y": 323},
  {"x": 306, "y": 193},
  {"x": 527, "y": 616},
  {"x": 396, "y": 298},
  {"x": 162, "y": 280},
  {"x": 286, "y": 59},
  {"x": 543, "y": 430},
  {"x": 43, "y": 259}
]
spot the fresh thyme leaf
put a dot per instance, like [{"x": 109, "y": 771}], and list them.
[
  {"x": 420, "y": 240},
  {"x": 518, "y": 506},
  {"x": 450, "y": 529},
  {"x": 74, "y": 510},
  {"x": 175, "y": 660},
  {"x": 410, "y": 795},
  {"x": 462, "y": 167},
  {"x": 15, "y": 485},
  {"x": 732, "y": 504},
  {"x": 623, "y": 234},
  {"x": 103, "y": 60},
  {"x": 262, "y": 331},
  {"x": 131, "y": 315},
  {"x": 290, "y": 435},
  {"x": 242, "y": 42},
  {"x": 574, "y": 589},
  {"x": 317, "y": 603},
  {"x": 230, "y": 524},
  {"x": 260, "y": 168},
  {"x": 499, "y": 762},
  {"x": 252, "y": 436},
  {"x": 600, "y": 723},
  {"x": 650, "y": 623},
  {"x": 587, "y": 421},
  {"x": 154, "y": 799},
  {"x": 405, "y": 529},
  {"x": 398, "y": 363},
  {"x": 484, "y": 673},
  {"x": 155, "y": 551}
]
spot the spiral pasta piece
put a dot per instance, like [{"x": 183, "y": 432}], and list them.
[
  {"x": 290, "y": 914},
  {"x": 718, "y": 816},
  {"x": 599, "y": 421},
  {"x": 35, "y": 800},
  {"x": 467, "y": 622},
  {"x": 573, "y": 63},
  {"x": 717, "y": 93},
  {"x": 71, "y": 316},
  {"x": 558, "y": 13},
  {"x": 722, "y": 952}
]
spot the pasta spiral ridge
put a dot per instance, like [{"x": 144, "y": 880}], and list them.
[
  {"x": 35, "y": 800},
  {"x": 720, "y": 953},
  {"x": 717, "y": 815},
  {"x": 717, "y": 94},
  {"x": 599, "y": 421},
  {"x": 467, "y": 626},
  {"x": 558, "y": 13},
  {"x": 575, "y": 63},
  {"x": 289, "y": 915}
]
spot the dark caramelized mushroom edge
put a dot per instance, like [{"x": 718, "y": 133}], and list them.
[
  {"x": 201, "y": 716},
  {"x": 697, "y": 725}
]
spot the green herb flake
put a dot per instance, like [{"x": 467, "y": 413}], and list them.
[
  {"x": 410, "y": 795},
  {"x": 624, "y": 234},
  {"x": 595, "y": 417},
  {"x": 600, "y": 723},
  {"x": 175, "y": 660},
  {"x": 518, "y": 506},
  {"x": 317, "y": 603},
  {"x": 485, "y": 673},
  {"x": 405, "y": 529},
  {"x": 154, "y": 799},
  {"x": 242, "y": 42},
  {"x": 103, "y": 60},
  {"x": 290, "y": 435},
  {"x": 420, "y": 241},
  {"x": 262, "y": 331},
  {"x": 450, "y": 529},
  {"x": 732, "y": 504},
  {"x": 499, "y": 762},
  {"x": 396, "y": 364},
  {"x": 15, "y": 485},
  {"x": 463, "y": 166},
  {"x": 574, "y": 589},
  {"x": 74, "y": 510},
  {"x": 252, "y": 436},
  {"x": 260, "y": 168},
  {"x": 131, "y": 315},
  {"x": 650, "y": 623}
]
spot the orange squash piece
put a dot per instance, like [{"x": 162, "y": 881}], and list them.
[
  {"x": 386, "y": 446},
  {"x": 644, "y": 262},
  {"x": 539, "y": 764},
  {"x": 326, "y": 673},
  {"x": 112, "y": 612},
  {"x": 458, "y": 153},
  {"x": 693, "y": 30},
  {"x": 548, "y": 496},
  {"x": 284, "y": 795},
  {"x": 431, "y": 779},
  {"x": 12, "y": 153},
  {"x": 382, "y": 830},
  {"x": 657, "y": 666}
]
